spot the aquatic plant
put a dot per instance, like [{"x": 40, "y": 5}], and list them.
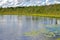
[{"x": 58, "y": 39}]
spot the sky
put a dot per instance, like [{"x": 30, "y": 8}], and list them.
[{"x": 14, "y": 3}]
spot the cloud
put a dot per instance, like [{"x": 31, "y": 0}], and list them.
[{"x": 14, "y": 3}]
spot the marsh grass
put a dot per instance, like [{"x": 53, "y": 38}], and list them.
[{"x": 50, "y": 10}]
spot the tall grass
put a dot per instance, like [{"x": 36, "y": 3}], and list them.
[{"x": 51, "y": 9}]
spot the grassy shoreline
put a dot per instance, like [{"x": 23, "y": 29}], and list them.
[
  {"x": 46, "y": 11},
  {"x": 43, "y": 15}
]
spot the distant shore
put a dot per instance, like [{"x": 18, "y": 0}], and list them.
[{"x": 51, "y": 10}]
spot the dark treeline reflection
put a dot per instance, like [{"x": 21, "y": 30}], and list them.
[{"x": 13, "y": 27}]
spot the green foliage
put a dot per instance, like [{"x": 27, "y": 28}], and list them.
[{"x": 50, "y": 9}]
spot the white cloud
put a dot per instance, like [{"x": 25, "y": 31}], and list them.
[{"x": 9, "y": 3}]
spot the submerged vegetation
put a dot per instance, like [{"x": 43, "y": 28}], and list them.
[{"x": 50, "y": 10}]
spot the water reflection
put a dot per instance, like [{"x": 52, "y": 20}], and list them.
[{"x": 13, "y": 27}]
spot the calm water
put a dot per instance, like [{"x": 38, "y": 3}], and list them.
[{"x": 13, "y": 27}]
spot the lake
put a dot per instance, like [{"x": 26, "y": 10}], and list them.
[{"x": 14, "y": 27}]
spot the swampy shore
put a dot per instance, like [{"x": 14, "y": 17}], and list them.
[{"x": 47, "y": 10}]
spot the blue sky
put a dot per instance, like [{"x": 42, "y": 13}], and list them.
[{"x": 5, "y": 3}]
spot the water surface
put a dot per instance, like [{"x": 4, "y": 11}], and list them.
[{"x": 13, "y": 27}]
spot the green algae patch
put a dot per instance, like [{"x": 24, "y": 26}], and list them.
[
  {"x": 58, "y": 39},
  {"x": 33, "y": 33}
]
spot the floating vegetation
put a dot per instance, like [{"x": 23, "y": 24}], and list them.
[{"x": 58, "y": 39}]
